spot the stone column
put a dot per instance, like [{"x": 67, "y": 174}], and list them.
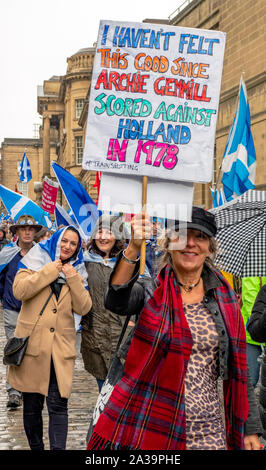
[
  {"x": 61, "y": 136},
  {"x": 46, "y": 145}
]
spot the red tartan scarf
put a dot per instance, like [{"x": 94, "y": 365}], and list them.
[{"x": 146, "y": 409}]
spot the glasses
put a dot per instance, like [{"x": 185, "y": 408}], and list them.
[{"x": 26, "y": 222}]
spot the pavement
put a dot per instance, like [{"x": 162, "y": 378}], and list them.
[{"x": 80, "y": 408}]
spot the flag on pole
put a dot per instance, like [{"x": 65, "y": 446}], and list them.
[
  {"x": 82, "y": 206},
  {"x": 62, "y": 217},
  {"x": 16, "y": 204},
  {"x": 218, "y": 198},
  {"x": 24, "y": 170},
  {"x": 239, "y": 161}
]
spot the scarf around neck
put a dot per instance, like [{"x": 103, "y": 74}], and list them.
[{"x": 146, "y": 410}]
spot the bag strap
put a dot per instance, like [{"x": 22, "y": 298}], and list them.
[
  {"x": 42, "y": 310},
  {"x": 123, "y": 332}
]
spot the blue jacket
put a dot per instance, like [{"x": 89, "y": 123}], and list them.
[{"x": 6, "y": 285}]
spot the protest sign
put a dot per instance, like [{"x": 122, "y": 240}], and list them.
[
  {"x": 49, "y": 195},
  {"x": 154, "y": 101},
  {"x": 165, "y": 199}
]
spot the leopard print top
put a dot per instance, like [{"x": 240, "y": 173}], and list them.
[{"x": 204, "y": 421}]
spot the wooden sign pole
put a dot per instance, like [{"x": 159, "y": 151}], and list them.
[{"x": 143, "y": 245}]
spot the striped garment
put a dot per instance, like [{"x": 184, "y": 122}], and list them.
[{"x": 146, "y": 410}]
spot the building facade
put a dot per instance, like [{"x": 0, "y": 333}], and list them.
[
  {"x": 61, "y": 102},
  {"x": 243, "y": 21},
  {"x": 12, "y": 151}
]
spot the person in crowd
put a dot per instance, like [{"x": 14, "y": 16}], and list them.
[
  {"x": 257, "y": 329},
  {"x": 10, "y": 256},
  {"x": 54, "y": 266},
  {"x": 250, "y": 289},
  {"x": 101, "y": 328},
  {"x": 189, "y": 333},
  {"x": 3, "y": 240},
  {"x": 153, "y": 251},
  {"x": 42, "y": 235}
]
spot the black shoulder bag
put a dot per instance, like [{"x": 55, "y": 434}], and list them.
[{"x": 15, "y": 347}]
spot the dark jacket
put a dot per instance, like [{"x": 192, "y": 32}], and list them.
[
  {"x": 101, "y": 328},
  {"x": 7, "y": 277},
  {"x": 257, "y": 330},
  {"x": 3, "y": 243},
  {"x": 133, "y": 296}
]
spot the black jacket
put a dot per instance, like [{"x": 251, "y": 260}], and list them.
[
  {"x": 257, "y": 330},
  {"x": 131, "y": 297}
]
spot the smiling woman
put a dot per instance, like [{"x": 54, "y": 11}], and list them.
[
  {"x": 69, "y": 244},
  {"x": 51, "y": 282},
  {"x": 190, "y": 332}
]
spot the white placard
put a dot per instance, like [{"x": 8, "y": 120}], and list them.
[
  {"x": 154, "y": 101},
  {"x": 165, "y": 199}
]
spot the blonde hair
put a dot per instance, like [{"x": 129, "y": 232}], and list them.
[{"x": 166, "y": 257}]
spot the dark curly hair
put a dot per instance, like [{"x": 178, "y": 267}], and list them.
[{"x": 116, "y": 226}]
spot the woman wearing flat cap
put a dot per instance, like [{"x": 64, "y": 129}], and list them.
[{"x": 189, "y": 334}]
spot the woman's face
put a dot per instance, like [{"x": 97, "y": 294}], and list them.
[
  {"x": 105, "y": 240},
  {"x": 69, "y": 244},
  {"x": 191, "y": 258}
]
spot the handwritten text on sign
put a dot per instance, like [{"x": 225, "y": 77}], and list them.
[{"x": 154, "y": 101}]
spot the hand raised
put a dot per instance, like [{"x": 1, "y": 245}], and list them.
[{"x": 68, "y": 270}]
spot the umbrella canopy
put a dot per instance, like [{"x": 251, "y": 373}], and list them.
[{"x": 241, "y": 235}]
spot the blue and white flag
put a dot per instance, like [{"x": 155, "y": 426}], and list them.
[
  {"x": 16, "y": 204},
  {"x": 239, "y": 161},
  {"x": 218, "y": 198},
  {"x": 62, "y": 217},
  {"x": 82, "y": 206},
  {"x": 50, "y": 250},
  {"x": 8, "y": 253},
  {"x": 24, "y": 170}
]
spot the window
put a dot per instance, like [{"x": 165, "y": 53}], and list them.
[
  {"x": 23, "y": 188},
  {"x": 79, "y": 149},
  {"x": 79, "y": 107}
]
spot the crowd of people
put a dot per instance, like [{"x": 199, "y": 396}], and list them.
[{"x": 188, "y": 380}]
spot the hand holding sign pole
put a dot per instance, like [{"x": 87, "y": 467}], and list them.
[{"x": 153, "y": 104}]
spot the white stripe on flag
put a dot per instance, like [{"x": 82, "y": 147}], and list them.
[{"x": 18, "y": 206}]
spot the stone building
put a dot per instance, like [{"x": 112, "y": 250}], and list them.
[
  {"x": 61, "y": 102},
  {"x": 243, "y": 21},
  {"x": 11, "y": 155}
]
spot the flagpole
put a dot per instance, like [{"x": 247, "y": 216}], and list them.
[
  {"x": 236, "y": 104},
  {"x": 143, "y": 245}
]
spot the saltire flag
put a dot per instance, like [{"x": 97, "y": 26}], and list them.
[
  {"x": 24, "y": 169},
  {"x": 16, "y": 204},
  {"x": 81, "y": 204},
  {"x": 239, "y": 161},
  {"x": 62, "y": 217},
  {"x": 218, "y": 197}
]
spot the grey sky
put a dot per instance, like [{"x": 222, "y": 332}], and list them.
[{"x": 36, "y": 38}]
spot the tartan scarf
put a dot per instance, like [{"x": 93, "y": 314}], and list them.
[{"x": 146, "y": 410}]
